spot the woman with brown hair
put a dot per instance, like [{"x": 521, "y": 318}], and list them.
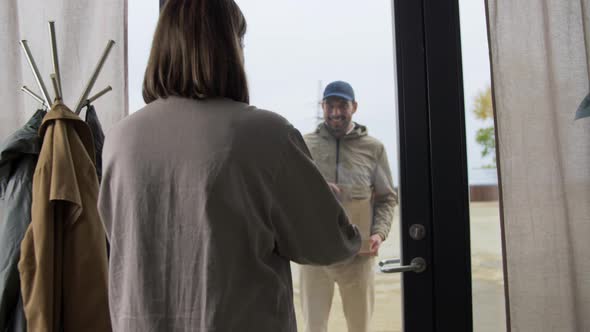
[{"x": 205, "y": 198}]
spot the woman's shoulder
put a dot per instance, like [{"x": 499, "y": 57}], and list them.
[
  {"x": 264, "y": 122},
  {"x": 262, "y": 134},
  {"x": 258, "y": 116}
]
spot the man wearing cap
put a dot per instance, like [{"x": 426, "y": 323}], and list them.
[{"x": 356, "y": 168}]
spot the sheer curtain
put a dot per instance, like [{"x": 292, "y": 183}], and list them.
[
  {"x": 83, "y": 28},
  {"x": 540, "y": 68}
]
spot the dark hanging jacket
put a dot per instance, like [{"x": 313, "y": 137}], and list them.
[
  {"x": 97, "y": 136},
  {"x": 18, "y": 157}
]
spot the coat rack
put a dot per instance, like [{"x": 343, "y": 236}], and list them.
[{"x": 45, "y": 98}]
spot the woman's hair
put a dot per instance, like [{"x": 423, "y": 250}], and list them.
[{"x": 197, "y": 52}]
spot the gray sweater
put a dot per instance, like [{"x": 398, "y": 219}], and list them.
[{"x": 205, "y": 203}]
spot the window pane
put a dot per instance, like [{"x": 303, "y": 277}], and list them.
[
  {"x": 293, "y": 49},
  {"x": 486, "y": 248}
]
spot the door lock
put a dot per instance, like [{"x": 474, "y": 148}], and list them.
[{"x": 417, "y": 232}]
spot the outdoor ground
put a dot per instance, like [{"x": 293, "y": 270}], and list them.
[{"x": 488, "y": 286}]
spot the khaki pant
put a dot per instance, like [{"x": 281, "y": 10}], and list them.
[{"x": 356, "y": 281}]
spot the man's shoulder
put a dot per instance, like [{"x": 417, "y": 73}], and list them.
[
  {"x": 312, "y": 137},
  {"x": 371, "y": 142}
]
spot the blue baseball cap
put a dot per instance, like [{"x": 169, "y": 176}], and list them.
[{"x": 339, "y": 89}]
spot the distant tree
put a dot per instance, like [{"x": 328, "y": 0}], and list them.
[{"x": 483, "y": 110}]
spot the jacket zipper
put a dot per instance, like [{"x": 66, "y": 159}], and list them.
[{"x": 337, "y": 158}]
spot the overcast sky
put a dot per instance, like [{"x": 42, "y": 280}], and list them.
[{"x": 293, "y": 45}]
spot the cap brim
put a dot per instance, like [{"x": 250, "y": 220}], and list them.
[{"x": 340, "y": 95}]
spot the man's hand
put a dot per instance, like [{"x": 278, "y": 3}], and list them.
[
  {"x": 335, "y": 188},
  {"x": 376, "y": 241}
]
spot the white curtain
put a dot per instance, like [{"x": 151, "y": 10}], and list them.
[
  {"x": 540, "y": 67},
  {"x": 83, "y": 28}
]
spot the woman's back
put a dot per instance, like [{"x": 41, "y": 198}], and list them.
[{"x": 205, "y": 202}]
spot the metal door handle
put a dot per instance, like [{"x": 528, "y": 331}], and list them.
[{"x": 417, "y": 265}]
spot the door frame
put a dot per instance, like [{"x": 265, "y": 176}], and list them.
[{"x": 434, "y": 188}]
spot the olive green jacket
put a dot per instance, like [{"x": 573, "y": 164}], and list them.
[{"x": 358, "y": 164}]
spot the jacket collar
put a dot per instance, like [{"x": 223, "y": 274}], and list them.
[
  {"x": 60, "y": 112},
  {"x": 357, "y": 132}
]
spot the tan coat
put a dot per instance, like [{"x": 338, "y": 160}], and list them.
[
  {"x": 63, "y": 264},
  {"x": 358, "y": 164}
]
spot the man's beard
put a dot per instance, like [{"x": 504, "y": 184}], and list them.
[{"x": 340, "y": 129}]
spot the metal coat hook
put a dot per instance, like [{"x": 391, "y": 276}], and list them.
[
  {"x": 98, "y": 95},
  {"x": 56, "y": 87},
  {"x": 34, "y": 95},
  {"x": 35, "y": 70},
  {"x": 94, "y": 76},
  {"x": 45, "y": 98},
  {"x": 55, "y": 60}
]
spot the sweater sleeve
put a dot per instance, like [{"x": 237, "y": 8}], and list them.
[{"x": 310, "y": 225}]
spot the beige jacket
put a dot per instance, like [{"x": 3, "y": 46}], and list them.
[
  {"x": 63, "y": 264},
  {"x": 358, "y": 164},
  {"x": 205, "y": 203}
]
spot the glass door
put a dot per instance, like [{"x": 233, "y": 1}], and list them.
[{"x": 293, "y": 51}]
